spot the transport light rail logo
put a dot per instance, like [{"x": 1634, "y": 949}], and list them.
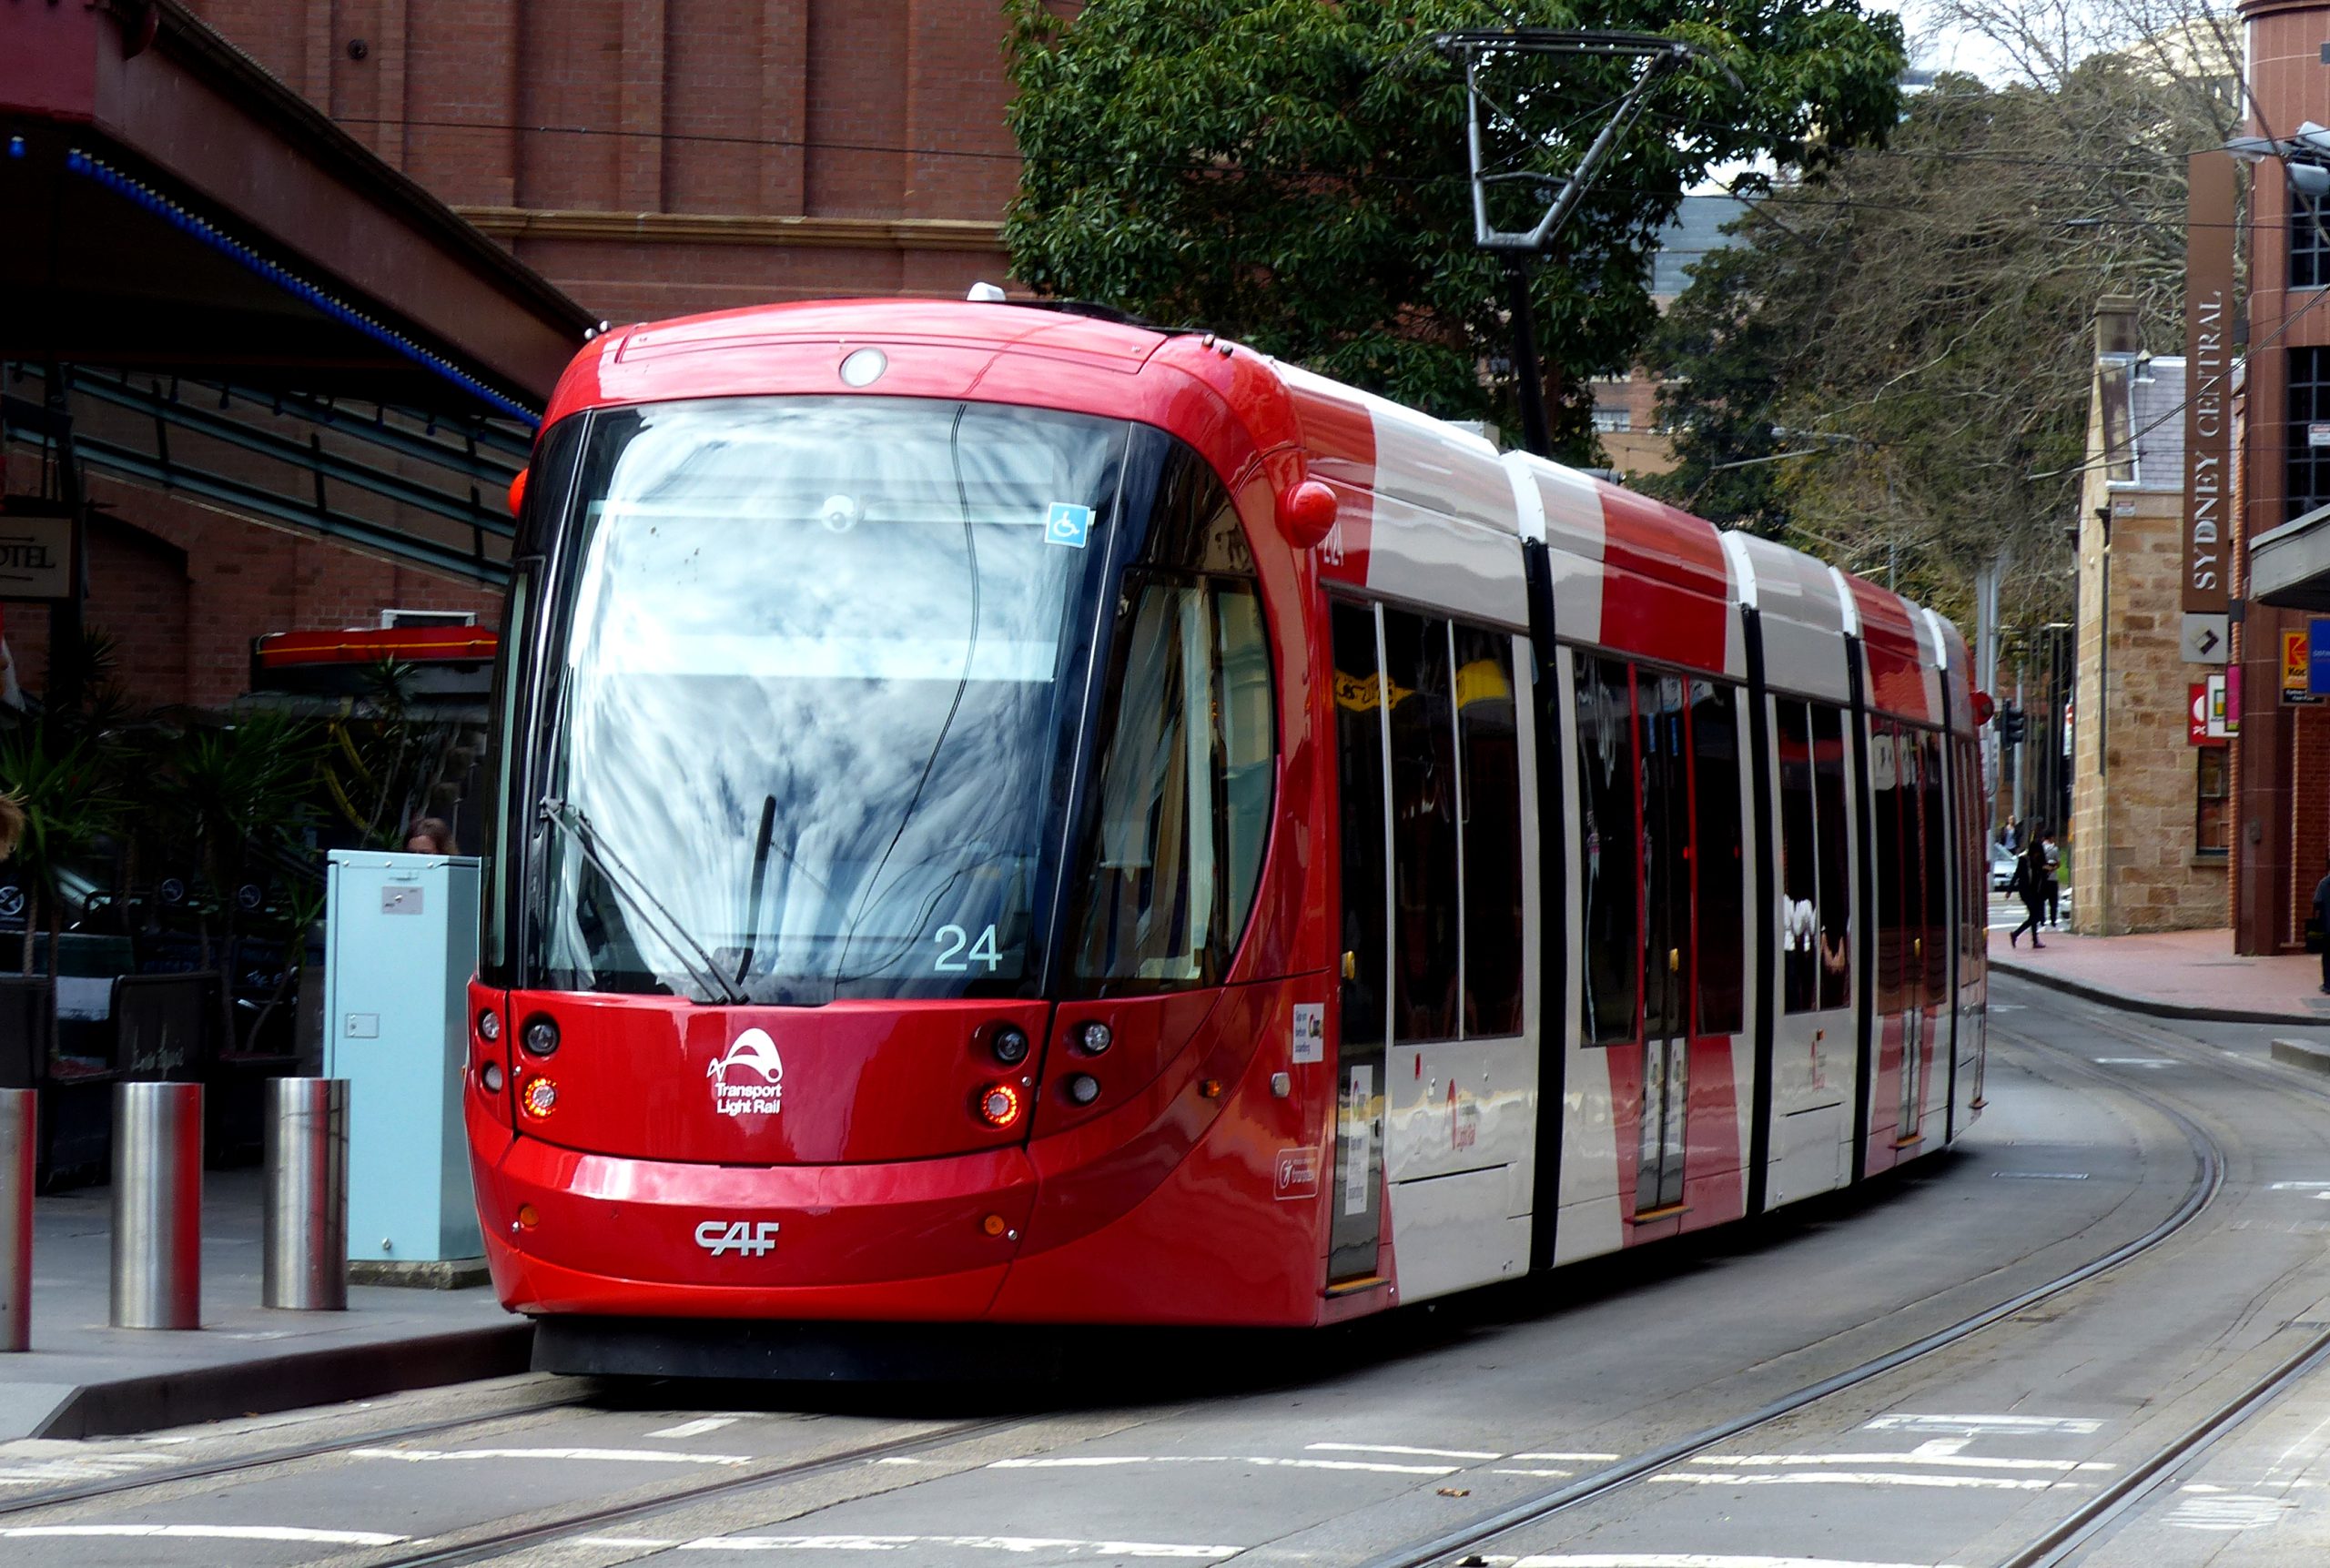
[
  {"x": 733, "y": 1092},
  {"x": 719, "y": 1236}
]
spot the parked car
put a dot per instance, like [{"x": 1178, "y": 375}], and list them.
[{"x": 2001, "y": 867}]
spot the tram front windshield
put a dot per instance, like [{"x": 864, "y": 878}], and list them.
[{"x": 818, "y": 672}]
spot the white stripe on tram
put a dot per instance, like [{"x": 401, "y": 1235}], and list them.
[{"x": 290, "y": 1533}]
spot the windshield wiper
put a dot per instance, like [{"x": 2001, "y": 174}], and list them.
[{"x": 627, "y": 883}]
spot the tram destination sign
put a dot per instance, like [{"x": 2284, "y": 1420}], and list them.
[
  {"x": 35, "y": 550},
  {"x": 2208, "y": 364}
]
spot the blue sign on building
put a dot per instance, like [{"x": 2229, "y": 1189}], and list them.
[{"x": 2318, "y": 656}]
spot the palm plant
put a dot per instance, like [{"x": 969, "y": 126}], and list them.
[{"x": 69, "y": 788}]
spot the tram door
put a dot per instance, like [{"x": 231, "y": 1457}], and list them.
[
  {"x": 1354, "y": 1204},
  {"x": 1663, "y": 756}
]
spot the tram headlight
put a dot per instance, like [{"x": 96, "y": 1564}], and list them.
[
  {"x": 488, "y": 1026},
  {"x": 1082, "y": 1088},
  {"x": 1094, "y": 1038},
  {"x": 540, "y": 1037},
  {"x": 1009, "y": 1045},
  {"x": 490, "y": 1075},
  {"x": 999, "y": 1106}
]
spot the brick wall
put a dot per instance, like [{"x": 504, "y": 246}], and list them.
[{"x": 652, "y": 157}]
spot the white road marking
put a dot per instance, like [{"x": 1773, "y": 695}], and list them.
[
  {"x": 1699, "y": 1559},
  {"x": 1016, "y": 1543},
  {"x": 696, "y": 1428},
  {"x": 647, "y": 1542},
  {"x": 1397, "y": 1448},
  {"x": 2297, "y": 1186},
  {"x": 1969, "y": 1462},
  {"x": 2135, "y": 1061},
  {"x": 2300, "y": 1456},
  {"x": 208, "y": 1533},
  {"x": 1861, "y": 1478},
  {"x": 2037, "y": 1176},
  {"x": 1988, "y": 1425},
  {"x": 611, "y": 1455},
  {"x": 2233, "y": 1510},
  {"x": 89, "y": 1467},
  {"x": 1555, "y": 1473},
  {"x": 1105, "y": 1461},
  {"x": 1578, "y": 1457}
]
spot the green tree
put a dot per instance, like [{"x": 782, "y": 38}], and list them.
[
  {"x": 1913, "y": 325},
  {"x": 1293, "y": 172}
]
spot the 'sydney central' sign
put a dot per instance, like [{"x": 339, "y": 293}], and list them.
[{"x": 2208, "y": 383}]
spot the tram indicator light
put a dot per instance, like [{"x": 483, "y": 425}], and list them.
[
  {"x": 540, "y": 1098},
  {"x": 999, "y": 1106}
]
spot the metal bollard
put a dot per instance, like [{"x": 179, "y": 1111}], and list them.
[
  {"x": 19, "y": 1121},
  {"x": 157, "y": 1206},
  {"x": 306, "y": 1245}
]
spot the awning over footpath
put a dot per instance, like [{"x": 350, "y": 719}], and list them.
[
  {"x": 2289, "y": 567},
  {"x": 216, "y": 290}
]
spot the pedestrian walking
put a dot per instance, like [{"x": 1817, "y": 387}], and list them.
[
  {"x": 2322, "y": 925},
  {"x": 2053, "y": 856},
  {"x": 2029, "y": 882}
]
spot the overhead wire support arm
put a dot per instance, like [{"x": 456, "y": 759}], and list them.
[{"x": 1659, "y": 57}]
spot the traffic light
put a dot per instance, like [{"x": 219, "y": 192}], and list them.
[{"x": 2011, "y": 721}]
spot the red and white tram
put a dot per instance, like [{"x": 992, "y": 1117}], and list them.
[{"x": 1013, "y": 817}]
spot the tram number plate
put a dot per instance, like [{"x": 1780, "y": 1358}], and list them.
[{"x": 1297, "y": 1173}]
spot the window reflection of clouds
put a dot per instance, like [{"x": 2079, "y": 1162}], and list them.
[{"x": 737, "y": 635}]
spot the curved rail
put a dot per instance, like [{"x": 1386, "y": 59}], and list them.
[{"x": 2207, "y": 1181}]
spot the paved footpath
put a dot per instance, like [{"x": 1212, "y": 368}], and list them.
[
  {"x": 2170, "y": 974},
  {"x": 83, "y": 1377}
]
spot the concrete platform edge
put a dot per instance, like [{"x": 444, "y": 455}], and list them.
[
  {"x": 289, "y": 1381},
  {"x": 2154, "y": 1006}
]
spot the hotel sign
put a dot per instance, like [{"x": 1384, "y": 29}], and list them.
[
  {"x": 2208, "y": 382},
  {"x": 35, "y": 550}
]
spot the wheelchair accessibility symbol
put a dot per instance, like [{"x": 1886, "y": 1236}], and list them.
[{"x": 1069, "y": 525}]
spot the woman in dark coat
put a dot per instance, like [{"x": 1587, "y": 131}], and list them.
[{"x": 2029, "y": 880}]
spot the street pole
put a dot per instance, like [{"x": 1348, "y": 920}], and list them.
[{"x": 1536, "y": 435}]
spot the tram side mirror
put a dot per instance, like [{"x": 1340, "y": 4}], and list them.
[
  {"x": 1306, "y": 513},
  {"x": 518, "y": 492}
]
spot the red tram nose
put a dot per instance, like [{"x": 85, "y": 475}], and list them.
[{"x": 849, "y": 1083}]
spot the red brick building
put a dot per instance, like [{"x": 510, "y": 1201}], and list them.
[{"x": 649, "y": 157}]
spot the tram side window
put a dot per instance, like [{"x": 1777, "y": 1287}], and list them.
[
  {"x": 1890, "y": 771},
  {"x": 1832, "y": 828},
  {"x": 1799, "y": 861},
  {"x": 1609, "y": 848},
  {"x": 1667, "y": 958},
  {"x": 1358, "y": 763},
  {"x": 1182, "y": 792},
  {"x": 1973, "y": 908},
  {"x": 1937, "y": 869},
  {"x": 1423, "y": 827},
  {"x": 1490, "y": 747},
  {"x": 1718, "y": 863}
]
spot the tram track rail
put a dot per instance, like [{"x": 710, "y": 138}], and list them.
[
  {"x": 267, "y": 1459},
  {"x": 1463, "y": 1546},
  {"x": 494, "y": 1541}
]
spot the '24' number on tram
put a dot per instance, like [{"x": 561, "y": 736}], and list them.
[{"x": 951, "y": 940}]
